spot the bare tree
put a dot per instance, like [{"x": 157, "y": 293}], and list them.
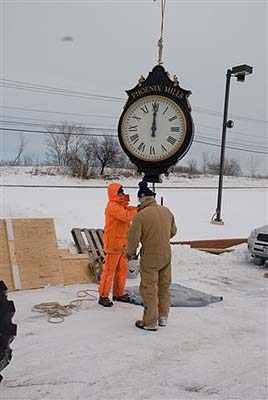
[
  {"x": 253, "y": 166},
  {"x": 81, "y": 162},
  {"x": 205, "y": 163},
  {"x": 192, "y": 167},
  {"x": 106, "y": 152},
  {"x": 64, "y": 142},
  {"x": 231, "y": 167},
  {"x": 123, "y": 161},
  {"x": 20, "y": 150}
]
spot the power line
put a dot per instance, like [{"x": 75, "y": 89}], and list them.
[
  {"x": 244, "y": 143},
  {"x": 91, "y": 128},
  {"x": 115, "y": 136},
  {"x": 57, "y": 133},
  {"x": 58, "y": 91},
  {"x": 239, "y": 117},
  {"x": 230, "y": 147},
  {"x": 56, "y": 122},
  {"x": 111, "y": 117},
  {"x": 20, "y": 85},
  {"x": 202, "y": 136},
  {"x": 59, "y": 112},
  {"x": 218, "y": 129}
]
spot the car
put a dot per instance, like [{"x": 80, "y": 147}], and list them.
[{"x": 258, "y": 244}]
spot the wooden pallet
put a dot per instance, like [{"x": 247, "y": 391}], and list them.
[{"x": 90, "y": 242}]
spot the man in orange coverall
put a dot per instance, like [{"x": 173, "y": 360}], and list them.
[{"x": 118, "y": 216}]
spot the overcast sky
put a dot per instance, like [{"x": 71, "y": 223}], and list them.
[{"x": 114, "y": 42}]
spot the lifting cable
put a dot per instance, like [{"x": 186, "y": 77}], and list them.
[{"x": 160, "y": 41}]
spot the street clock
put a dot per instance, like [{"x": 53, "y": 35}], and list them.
[{"x": 156, "y": 128}]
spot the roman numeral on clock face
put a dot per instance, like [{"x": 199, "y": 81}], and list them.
[
  {"x": 171, "y": 140},
  {"x": 133, "y": 128},
  {"x": 134, "y": 138},
  {"x": 152, "y": 150},
  {"x": 155, "y": 106},
  {"x": 175, "y": 129},
  {"x": 141, "y": 147},
  {"x": 165, "y": 110},
  {"x": 135, "y": 116},
  {"x": 145, "y": 109}
]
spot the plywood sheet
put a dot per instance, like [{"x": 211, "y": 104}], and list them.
[
  {"x": 75, "y": 268},
  {"x": 36, "y": 252},
  {"x": 76, "y": 271}
]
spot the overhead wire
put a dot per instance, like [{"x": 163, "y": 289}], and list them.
[
  {"x": 115, "y": 136},
  {"x": 20, "y": 85},
  {"x": 57, "y": 132},
  {"x": 233, "y": 132},
  {"x": 59, "y": 112},
  {"x": 201, "y": 135},
  {"x": 53, "y": 90}
]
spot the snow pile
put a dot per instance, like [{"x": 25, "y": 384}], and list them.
[{"x": 215, "y": 352}]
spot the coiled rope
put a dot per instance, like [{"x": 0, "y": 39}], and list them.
[{"x": 56, "y": 312}]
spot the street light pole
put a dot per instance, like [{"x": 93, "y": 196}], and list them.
[
  {"x": 223, "y": 141},
  {"x": 239, "y": 72}
]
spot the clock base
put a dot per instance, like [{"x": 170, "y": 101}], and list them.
[{"x": 152, "y": 178}]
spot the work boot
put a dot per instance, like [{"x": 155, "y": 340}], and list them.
[
  {"x": 105, "y": 302},
  {"x": 140, "y": 324},
  {"x": 162, "y": 321},
  {"x": 125, "y": 298}
]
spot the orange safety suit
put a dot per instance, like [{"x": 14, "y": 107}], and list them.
[{"x": 118, "y": 216}]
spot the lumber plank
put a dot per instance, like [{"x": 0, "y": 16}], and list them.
[
  {"x": 214, "y": 251},
  {"x": 12, "y": 254},
  {"x": 91, "y": 247},
  {"x": 213, "y": 243},
  {"x": 100, "y": 234},
  {"x": 97, "y": 242},
  {"x": 79, "y": 240}
]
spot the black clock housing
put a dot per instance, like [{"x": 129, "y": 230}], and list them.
[{"x": 159, "y": 83}]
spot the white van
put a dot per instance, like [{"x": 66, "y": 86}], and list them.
[{"x": 258, "y": 244}]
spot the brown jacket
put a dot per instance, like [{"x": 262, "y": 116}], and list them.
[{"x": 153, "y": 227}]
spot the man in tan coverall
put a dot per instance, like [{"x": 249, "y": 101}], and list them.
[{"x": 153, "y": 227}]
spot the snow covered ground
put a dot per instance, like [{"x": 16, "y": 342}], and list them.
[{"x": 214, "y": 352}]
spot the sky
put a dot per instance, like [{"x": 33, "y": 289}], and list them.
[{"x": 113, "y": 44}]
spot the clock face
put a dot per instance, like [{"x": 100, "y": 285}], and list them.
[{"x": 153, "y": 128}]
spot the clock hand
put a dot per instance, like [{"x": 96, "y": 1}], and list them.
[{"x": 155, "y": 108}]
